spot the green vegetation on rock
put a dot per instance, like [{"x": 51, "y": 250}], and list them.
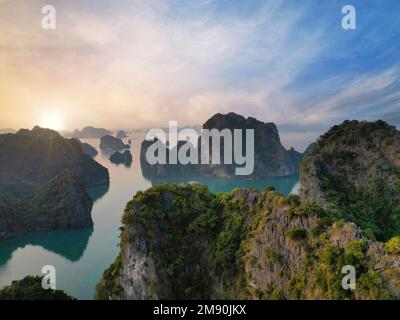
[
  {"x": 393, "y": 245},
  {"x": 184, "y": 242},
  {"x": 30, "y": 288},
  {"x": 354, "y": 169},
  {"x": 42, "y": 182},
  {"x": 62, "y": 203}
]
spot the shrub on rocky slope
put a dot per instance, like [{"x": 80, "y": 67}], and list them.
[
  {"x": 30, "y": 288},
  {"x": 355, "y": 169},
  {"x": 183, "y": 242}
]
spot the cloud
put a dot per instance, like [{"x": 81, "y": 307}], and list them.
[
  {"x": 137, "y": 64},
  {"x": 355, "y": 97}
]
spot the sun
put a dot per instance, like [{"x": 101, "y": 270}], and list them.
[{"x": 51, "y": 120}]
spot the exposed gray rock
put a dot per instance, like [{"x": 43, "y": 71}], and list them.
[{"x": 110, "y": 142}]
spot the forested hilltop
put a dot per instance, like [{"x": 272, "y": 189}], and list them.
[
  {"x": 30, "y": 288},
  {"x": 355, "y": 169}
]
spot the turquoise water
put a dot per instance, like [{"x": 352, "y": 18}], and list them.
[{"x": 81, "y": 256}]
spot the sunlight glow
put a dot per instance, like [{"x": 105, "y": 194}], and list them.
[{"x": 52, "y": 121}]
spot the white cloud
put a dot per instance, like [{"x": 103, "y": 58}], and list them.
[
  {"x": 141, "y": 63},
  {"x": 360, "y": 94}
]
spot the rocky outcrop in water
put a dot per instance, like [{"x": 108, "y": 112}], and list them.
[
  {"x": 112, "y": 143},
  {"x": 183, "y": 242},
  {"x": 271, "y": 159},
  {"x": 42, "y": 182},
  {"x": 31, "y": 158},
  {"x": 122, "y": 158},
  {"x": 90, "y": 133}
]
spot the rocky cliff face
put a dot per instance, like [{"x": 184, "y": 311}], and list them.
[
  {"x": 355, "y": 168},
  {"x": 159, "y": 255},
  {"x": 183, "y": 242},
  {"x": 271, "y": 159}
]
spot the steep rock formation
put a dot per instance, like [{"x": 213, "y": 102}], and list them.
[
  {"x": 122, "y": 158},
  {"x": 110, "y": 142},
  {"x": 355, "y": 169},
  {"x": 271, "y": 159},
  {"x": 31, "y": 158},
  {"x": 183, "y": 242},
  {"x": 42, "y": 182},
  {"x": 90, "y": 133}
]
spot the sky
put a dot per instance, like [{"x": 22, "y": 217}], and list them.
[{"x": 139, "y": 64}]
